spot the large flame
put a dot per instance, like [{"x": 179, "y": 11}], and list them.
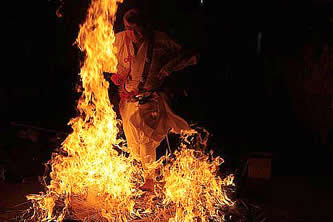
[{"x": 92, "y": 181}]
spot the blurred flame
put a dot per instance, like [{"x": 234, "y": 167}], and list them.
[{"x": 92, "y": 181}]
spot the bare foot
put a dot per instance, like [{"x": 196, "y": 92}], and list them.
[{"x": 148, "y": 185}]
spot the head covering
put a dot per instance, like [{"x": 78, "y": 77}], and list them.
[{"x": 133, "y": 17}]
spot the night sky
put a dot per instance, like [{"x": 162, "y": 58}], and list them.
[{"x": 246, "y": 98}]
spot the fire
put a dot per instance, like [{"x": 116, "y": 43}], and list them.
[
  {"x": 192, "y": 185},
  {"x": 92, "y": 181}
]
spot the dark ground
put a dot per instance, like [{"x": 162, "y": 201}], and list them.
[{"x": 249, "y": 101}]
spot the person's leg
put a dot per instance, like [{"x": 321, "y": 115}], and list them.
[
  {"x": 148, "y": 156},
  {"x": 131, "y": 133},
  {"x": 148, "y": 151}
]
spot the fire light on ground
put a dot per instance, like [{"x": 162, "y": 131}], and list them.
[{"x": 90, "y": 180}]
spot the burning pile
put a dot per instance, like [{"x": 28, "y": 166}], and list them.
[{"x": 90, "y": 180}]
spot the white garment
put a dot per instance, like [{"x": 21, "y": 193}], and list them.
[
  {"x": 146, "y": 125},
  {"x": 168, "y": 56}
]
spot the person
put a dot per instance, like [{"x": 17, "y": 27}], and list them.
[{"x": 145, "y": 59}]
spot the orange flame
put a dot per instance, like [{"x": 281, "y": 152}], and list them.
[
  {"x": 192, "y": 185},
  {"x": 91, "y": 169},
  {"x": 91, "y": 181}
]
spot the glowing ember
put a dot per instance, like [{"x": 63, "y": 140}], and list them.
[{"x": 92, "y": 181}]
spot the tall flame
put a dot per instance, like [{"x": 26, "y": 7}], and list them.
[
  {"x": 92, "y": 181},
  {"x": 90, "y": 167}
]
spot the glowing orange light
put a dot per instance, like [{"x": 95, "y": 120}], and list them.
[{"x": 91, "y": 181}]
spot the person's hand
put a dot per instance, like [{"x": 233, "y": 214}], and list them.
[
  {"x": 117, "y": 79},
  {"x": 162, "y": 74}
]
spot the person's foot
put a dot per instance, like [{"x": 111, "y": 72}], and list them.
[{"x": 148, "y": 185}]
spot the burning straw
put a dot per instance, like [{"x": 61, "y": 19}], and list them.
[{"x": 92, "y": 181}]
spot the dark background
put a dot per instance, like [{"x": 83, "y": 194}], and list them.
[{"x": 249, "y": 100}]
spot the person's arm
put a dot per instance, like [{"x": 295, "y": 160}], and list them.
[
  {"x": 180, "y": 58},
  {"x": 119, "y": 77}
]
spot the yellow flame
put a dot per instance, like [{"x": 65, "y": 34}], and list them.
[
  {"x": 192, "y": 185},
  {"x": 90, "y": 167},
  {"x": 90, "y": 179}
]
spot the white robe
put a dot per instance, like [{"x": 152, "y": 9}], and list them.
[{"x": 146, "y": 125}]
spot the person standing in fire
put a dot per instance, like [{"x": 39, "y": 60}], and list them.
[{"x": 145, "y": 59}]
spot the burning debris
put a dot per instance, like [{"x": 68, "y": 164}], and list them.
[{"x": 92, "y": 177}]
